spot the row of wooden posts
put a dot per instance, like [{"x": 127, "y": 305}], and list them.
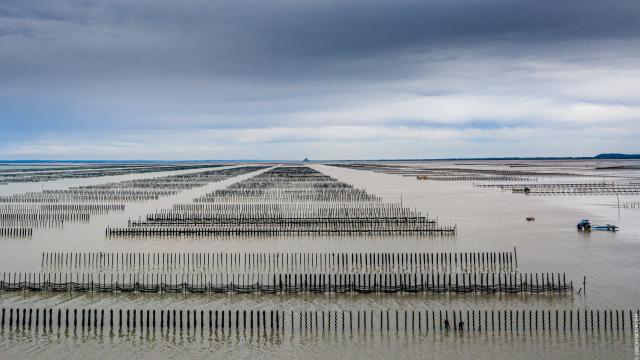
[
  {"x": 273, "y": 230},
  {"x": 289, "y": 220},
  {"x": 41, "y": 220},
  {"x": 61, "y": 198},
  {"x": 60, "y": 208},
  {"x": 602, "y": 188},
  {"x": 472, "y": 177},
  {"x": 287, "y": 283},
  {"x": 277, "y": 261},
  {"x": 278, "y": 209},
  {"x": 336, "y": 321},
  {"x": 43, "y": 217},
  {"x": 540, "y": 185},
  {"x": 16, "y": 232},
  {"x": 51, "y": 215},
  {"x": 625, "y": 191},
  {"x": 276, "y": 195},
  {"x": 38, "y": 175}
]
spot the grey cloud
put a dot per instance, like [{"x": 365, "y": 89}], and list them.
[
  {"x": 275, "y": 39},
  {"x": 108, "y": 67}
]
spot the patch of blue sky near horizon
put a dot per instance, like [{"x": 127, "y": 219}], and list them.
[{"x": 155, "y": 81}]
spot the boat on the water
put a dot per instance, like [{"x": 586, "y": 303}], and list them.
[{"x": 585, "y": 225}]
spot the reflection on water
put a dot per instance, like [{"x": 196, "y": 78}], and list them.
[{"x": 151, "y": 344}]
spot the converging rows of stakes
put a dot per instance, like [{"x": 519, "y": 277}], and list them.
[
  {"x": 285, "y": 200},
  {"x": 39, "y": 174},
  {"x": 383, "y": 322},
  {"x": 338, "y": 262},
  {"x": 291, "y": 283},
  {"x": 52, "y": 208},
  {"x": 130, "y": 190},
  {"x": 517, "y": 180}
]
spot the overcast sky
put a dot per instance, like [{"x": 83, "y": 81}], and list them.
[{"x": 258, "y": 79}]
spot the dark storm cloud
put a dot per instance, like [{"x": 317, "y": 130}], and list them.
[{"x": 287, "y": 40}]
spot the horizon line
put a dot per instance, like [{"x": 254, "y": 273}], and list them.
[{"x": 606, "y": 156}]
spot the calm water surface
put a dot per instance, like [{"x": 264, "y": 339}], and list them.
[{"x": 487, "y": 220}]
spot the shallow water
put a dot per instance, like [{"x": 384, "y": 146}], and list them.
[
  {"x": 160, "y": 344},
  {"x": 486, "y": 219}
]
